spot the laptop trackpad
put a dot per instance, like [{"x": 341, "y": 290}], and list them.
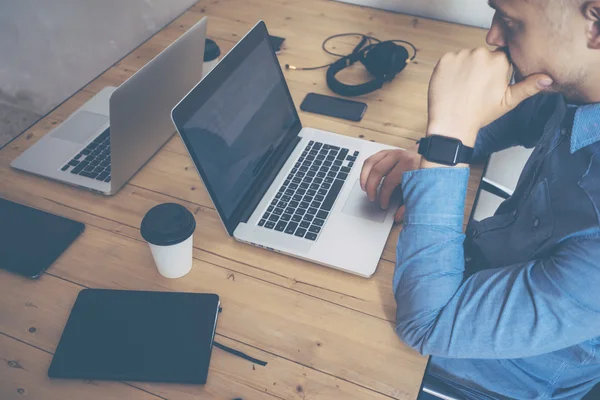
[
  {"x": 358, "y": 205},
  {"x": 80, "y": 127}
]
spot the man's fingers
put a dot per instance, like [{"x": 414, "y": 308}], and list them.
[
  {"x": 529, "y": 87},
  {"x": 368, "y": 166},
  {"x": 379, "y": 170},
  {"x": 399, "y": 215},
  {"x": 390, "y": 183}
]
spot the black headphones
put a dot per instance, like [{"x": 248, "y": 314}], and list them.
[{"x": 383, "y": 60}]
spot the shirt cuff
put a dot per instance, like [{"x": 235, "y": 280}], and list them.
[{"x": 435, "y": 196}]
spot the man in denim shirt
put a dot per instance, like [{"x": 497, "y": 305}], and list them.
[{"x": 511, "y": 308}]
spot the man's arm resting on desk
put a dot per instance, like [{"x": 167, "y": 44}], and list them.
[
  {"x": 516, "y": 311},
  {"x": 382, "y": 172}
]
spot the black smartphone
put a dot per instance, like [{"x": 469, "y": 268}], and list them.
[{"x": 334, "y": 107}]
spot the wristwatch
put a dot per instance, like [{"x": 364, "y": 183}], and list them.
[{"x": 445, "y": 150}]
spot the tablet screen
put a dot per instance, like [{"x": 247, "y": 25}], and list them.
[{"x": 31, "y": 240}]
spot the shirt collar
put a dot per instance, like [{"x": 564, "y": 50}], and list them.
[{"x": 586, "y": 126}]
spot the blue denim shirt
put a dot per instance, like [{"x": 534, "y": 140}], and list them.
[{"x": 511, "y": 308}]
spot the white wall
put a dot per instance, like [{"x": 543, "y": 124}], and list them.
[
  {"x": 467, "y": 12},
  {"x": 50, "y": 49}
]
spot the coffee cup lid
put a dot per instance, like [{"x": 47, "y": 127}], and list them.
[
  {"x": 168, "y": 224},
  {"x": 211, "y": 50}
]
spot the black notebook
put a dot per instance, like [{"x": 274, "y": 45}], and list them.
[{"x": 138, "y": 336}]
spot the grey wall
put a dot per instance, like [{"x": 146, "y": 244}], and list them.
[
  {"x": 51, "y": 48},
  {"x": 467, "y": 12}
]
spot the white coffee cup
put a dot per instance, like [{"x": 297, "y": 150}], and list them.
[{"x": 169, "y": 230}]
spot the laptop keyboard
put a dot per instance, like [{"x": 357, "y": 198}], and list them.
[
  {"x": 94, "y": 160},
  {"x": 305, "y": 200}
]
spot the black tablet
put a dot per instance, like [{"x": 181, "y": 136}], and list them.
[
  {"x": 31, "y": 240},
  {"x": 138, "y": 336}
]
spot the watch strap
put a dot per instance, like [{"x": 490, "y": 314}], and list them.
[{"x": 465, "y": 154}]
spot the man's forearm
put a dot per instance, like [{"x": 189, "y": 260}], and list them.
[{"x": 430, "y": 259}]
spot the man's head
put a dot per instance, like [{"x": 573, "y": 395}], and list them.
[{"x": 560, "y": 38}]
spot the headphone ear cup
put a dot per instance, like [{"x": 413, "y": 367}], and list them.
[
  {"x": 378, "y": 60},
  {"x": 385, "y": 59},
  {"x": 374, "y": 59},
  {"x": 399, "y": 60},
  {"x": 393, "y": 66}
]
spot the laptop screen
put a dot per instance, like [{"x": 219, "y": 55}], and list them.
[{"x": 242, "y": 112}]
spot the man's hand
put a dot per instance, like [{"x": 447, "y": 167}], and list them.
[
  {"x": 471, "y": 89},
  {"x": 388, "y": 165}
]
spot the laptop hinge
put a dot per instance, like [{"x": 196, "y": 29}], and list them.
[{"x": 270, "y": 172}]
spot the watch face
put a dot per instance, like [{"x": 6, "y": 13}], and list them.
[{"x": 443, "y": 150}]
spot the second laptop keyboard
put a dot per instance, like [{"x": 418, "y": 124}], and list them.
[
  {"x": 93, "y": 161},
  {"x": 304, "y": 201}
]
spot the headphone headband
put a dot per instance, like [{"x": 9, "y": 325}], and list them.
[{"x": 350, "y": 90}]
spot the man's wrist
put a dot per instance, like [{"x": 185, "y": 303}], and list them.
[{"x": 428, "y": 164}]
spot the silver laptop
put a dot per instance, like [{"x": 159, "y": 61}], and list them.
[
  {"x": 106, "y": 141},
  {"x": 275, "y": 184}
]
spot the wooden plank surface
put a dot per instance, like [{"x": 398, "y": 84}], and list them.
[{"x": 324, "y": 334}]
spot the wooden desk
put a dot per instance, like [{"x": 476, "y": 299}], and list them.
[{"x": 324, "y": 334}]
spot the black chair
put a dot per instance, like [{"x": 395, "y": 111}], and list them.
[{"x": 594, "y": 394}]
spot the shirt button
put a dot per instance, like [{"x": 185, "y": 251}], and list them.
[
  {"x": 564, "y": 131},
  {"x": 536, "y": 223},
  {"x": 514, "y": 213}
]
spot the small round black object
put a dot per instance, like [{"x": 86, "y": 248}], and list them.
[
  {"x": 211, "y": 50},
  {"x": 168, "y": 224}
]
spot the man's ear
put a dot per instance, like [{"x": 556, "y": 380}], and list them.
[{"x": 591, "y": 12}]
